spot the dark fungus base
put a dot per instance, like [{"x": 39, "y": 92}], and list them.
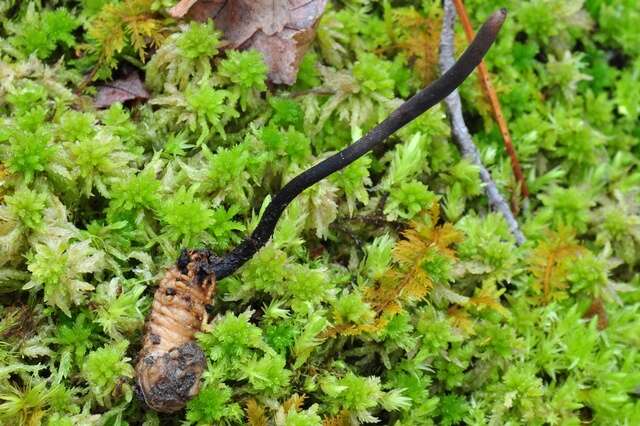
[{"x": 170, "y": 379}]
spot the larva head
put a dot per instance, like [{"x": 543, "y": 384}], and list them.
[{"x": 167, "y": 380}]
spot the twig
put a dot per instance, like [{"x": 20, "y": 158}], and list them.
[
  {"x": 490, "y": 93},
  {"x": 405, "y": 113},
  {"x": 460, "y": 130}
]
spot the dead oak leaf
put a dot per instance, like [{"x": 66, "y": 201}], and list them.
[
  {"x": 281, "y": 30},
  {"x": 124, "y": 89}
]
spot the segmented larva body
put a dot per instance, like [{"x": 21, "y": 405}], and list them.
[{"x": 170, "y": 363}]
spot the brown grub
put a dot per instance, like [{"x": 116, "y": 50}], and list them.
[{"x": 170, "y": 363}]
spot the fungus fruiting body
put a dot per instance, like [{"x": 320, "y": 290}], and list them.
[{"x": 170, "y": 363}]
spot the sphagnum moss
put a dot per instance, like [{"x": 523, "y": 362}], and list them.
[
  {"x": 171, "y": 364},
  {"x": 483, "y": 346}
]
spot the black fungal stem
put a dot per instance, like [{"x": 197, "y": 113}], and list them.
[{"x": 404, "y": 114}]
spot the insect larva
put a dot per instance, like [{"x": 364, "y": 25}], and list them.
[{"x": 170, "y": 363}]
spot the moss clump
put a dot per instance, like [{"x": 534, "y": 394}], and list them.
[{"x": 371, "y": 304}]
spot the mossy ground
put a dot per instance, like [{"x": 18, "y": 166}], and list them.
[{"x": 370, "y": 304}]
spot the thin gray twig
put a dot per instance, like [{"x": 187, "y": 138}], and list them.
[{"x": 461, "y": 134}]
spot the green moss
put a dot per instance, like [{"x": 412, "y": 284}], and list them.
[
  {"x": 41, "y": 33},
  {"x": 104, "y": 369},
  {"x": 213, "y": 404},
  {"x": 367, "y": 306}
]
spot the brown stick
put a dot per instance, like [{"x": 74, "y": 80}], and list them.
[{"x": 490, "y": 93}]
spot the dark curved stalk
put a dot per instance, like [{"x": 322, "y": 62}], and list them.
[{"x": 405, "y": 113}]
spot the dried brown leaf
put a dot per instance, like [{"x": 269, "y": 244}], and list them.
[
  {"x": 124, "y": 89},
  {"x": 182, "y": 7},
  {"x": 280, "y": 30}
]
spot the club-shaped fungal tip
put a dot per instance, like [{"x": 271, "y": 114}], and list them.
[{"x": 498, "y": 17}]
